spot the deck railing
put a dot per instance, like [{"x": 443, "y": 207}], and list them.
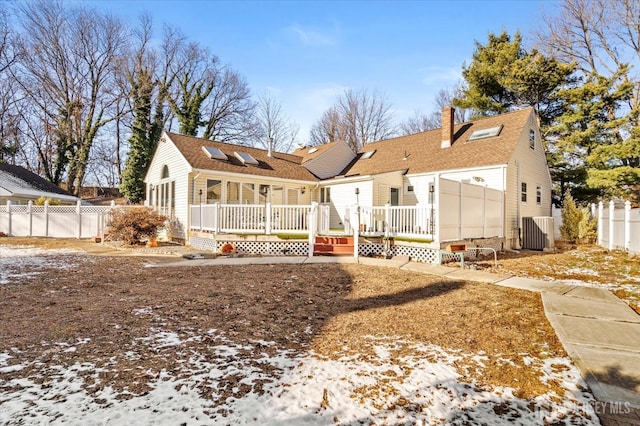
[
  {"x": 409, "y": 221},
  {"x": 400, "y": 221},
  {"x": 250, "y": 218}
]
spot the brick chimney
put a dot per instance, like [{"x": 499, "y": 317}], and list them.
[{"x": 447, "y": 127}]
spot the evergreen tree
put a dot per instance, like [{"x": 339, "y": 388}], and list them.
[
  {"x": 592, "y": 135},
  {"x": 577, "y": 224}
]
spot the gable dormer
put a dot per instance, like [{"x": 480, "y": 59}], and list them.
[{"x": 327, "y": 161}]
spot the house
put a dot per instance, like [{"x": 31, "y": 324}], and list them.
[
  {"x": 502, "y": 153},
  {"x": 20, "y": 186}
]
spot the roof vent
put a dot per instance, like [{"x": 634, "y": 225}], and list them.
[
  {"x": 214, "y": 153},
  {"x": 246, "y": 158},
  {"x": 312, "y": 150}
]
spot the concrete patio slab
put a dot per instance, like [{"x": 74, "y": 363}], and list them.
[
  {"x": 534, "y": 285},
  {"x": 611, "y": 375},
  {"x": 271, "y": 260},
  {"x": 395, "y": 262},
  {"x": 594, "y": 294},
  {"x": 614, "y": 310},
  {"x": 331, "y": 259},
  {"x": 471, "y": 275},
  {"x": 597, "y": 333},
  {"x": 427, "y": 268}
]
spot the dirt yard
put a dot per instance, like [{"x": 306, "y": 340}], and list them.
[{"x": 103, "y": 308}]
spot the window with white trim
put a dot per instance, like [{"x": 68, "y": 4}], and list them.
[
  {"x": 532, "y": 139},
  {"x": 523, "y": 192},
  {"x": 539, "y": 195}
]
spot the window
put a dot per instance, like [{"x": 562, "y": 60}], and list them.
[
  {"x": 214, "y": 153},
  {"x": 538, "y": 195},
  {"x": 325, "y": 195},
  {"x": 367, "y": 155},
  {"x": 246, "y": 158},
  {"x": 532, "y": 139},
  {"x": 214, "y": 189},
  {"x": 395, "y": 197},
  {"x": 263, "y": 193},
  {"x": 165, "y": 172},
  {"x": 233, "y": 192},
  {"x": 523, "y": 192},
  {"x": 248, "y": 193},
  {"x": 486, "y": 133},
  {"x": 408, "y": 190}
]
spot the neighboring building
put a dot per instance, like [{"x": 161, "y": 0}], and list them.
[
  {"x": 503, "y": 152},
  {"x": 20, "y": 186}
]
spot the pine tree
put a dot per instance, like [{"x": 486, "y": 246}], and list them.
[{"x": 577, "y": 224}]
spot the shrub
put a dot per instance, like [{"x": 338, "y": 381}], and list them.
[
  {"x": 40, "y": 201},
  {"x": 577, "y": 224},
  {"x": 134, "y": 225}
]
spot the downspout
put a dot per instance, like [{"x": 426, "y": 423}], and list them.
[{"x": 518, "y": 201}]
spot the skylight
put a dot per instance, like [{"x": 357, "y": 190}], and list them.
[
  {"x": 246, "y": 158},
  {"x": 214, "y": 153},
  {"x": 312, "y": 150},
  {"x": 367, "y": 155},
  {"x": 486, "y": 133}
]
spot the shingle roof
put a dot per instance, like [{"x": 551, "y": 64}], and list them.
[
  {"x": 19, "y": 180},
  {"x": 279, "y": 165},
  {"x": 424, "y": 154},
  {"x": 316, "y": 151}
]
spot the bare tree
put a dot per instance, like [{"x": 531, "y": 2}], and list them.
[
  {"x": 601, "y": 36},
  {"x": 358, "y": 117},
  {"x": 9, "y": 96},
  {"x": 421, "y": 122},
  {"x": 275, "y": 132},
  {"x": 66, "y": 73},
  {"x": 229, "y": 110}
]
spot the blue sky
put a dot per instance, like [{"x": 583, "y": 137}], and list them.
[{"x": 306, "y": 53}]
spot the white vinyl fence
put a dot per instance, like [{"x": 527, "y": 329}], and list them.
[
  {"x": 619, "y": 228},
  {"x": 466, "y": 211},
  {"x": 29, "y": 220}
]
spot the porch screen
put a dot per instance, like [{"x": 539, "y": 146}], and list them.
[
  {"x": 233, "y": 192},
  {"x": 214, "y": 187}
]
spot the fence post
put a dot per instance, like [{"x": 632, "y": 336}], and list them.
[
  {"x": 312, "y": 222},
  {"x": 30, "y": 213},
  {"x": 484, "y": 212},
  {"x": 627, "y": 225},
  {"x": 216, "y": 220},
  {"x": 600, "y": 225},
  {"x": 9, "y": 232},
  {"x": 200, "y": 210},
  {"x": 79, "y": 213},
  {"x": 46, "y": 218},
  {"x": 436, "y": 207},
  {"x": 612, "y": 212},
  {"x": 355, "y": 228},
  {"x": 267, "y": 222},
  {"x": 387, "y": 220}
]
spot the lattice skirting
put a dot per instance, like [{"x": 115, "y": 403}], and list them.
[
  {"x": 416, "y": 254},
  {"x": 268, "y": 248}
]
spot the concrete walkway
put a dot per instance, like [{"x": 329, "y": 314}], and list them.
[{"x": 600, "y": 332}]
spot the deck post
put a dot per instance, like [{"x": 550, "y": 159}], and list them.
[
  {"x": 612, "y": 234},
  {"x": 312, "y": 221},
  {"x": 355, "y": 228},
  {"x": 627, "y": 225}
]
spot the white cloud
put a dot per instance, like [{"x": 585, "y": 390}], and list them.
[
  {"x": 440, "y": 75},
  {"x": 315, "y": 36}
]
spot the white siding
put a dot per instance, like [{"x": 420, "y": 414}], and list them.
[
  {"x": 331, "y": 162},
  {"x": 382, "y": 185},
  {"x": 344, "y": 196},
  {"x": 420, "y": 195},
  {"x": 491, "y": 177},
  {"x": 529, "y": 166},
  {"x": 167, "y": 154}
]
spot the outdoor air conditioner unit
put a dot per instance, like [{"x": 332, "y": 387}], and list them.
[{"x": 537, "y": 233}]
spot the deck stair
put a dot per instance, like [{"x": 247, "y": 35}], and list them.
[{"x": 333, "y": 246}]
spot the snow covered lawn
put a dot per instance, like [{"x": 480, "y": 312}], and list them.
[{"x": 298, "y": 345}]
